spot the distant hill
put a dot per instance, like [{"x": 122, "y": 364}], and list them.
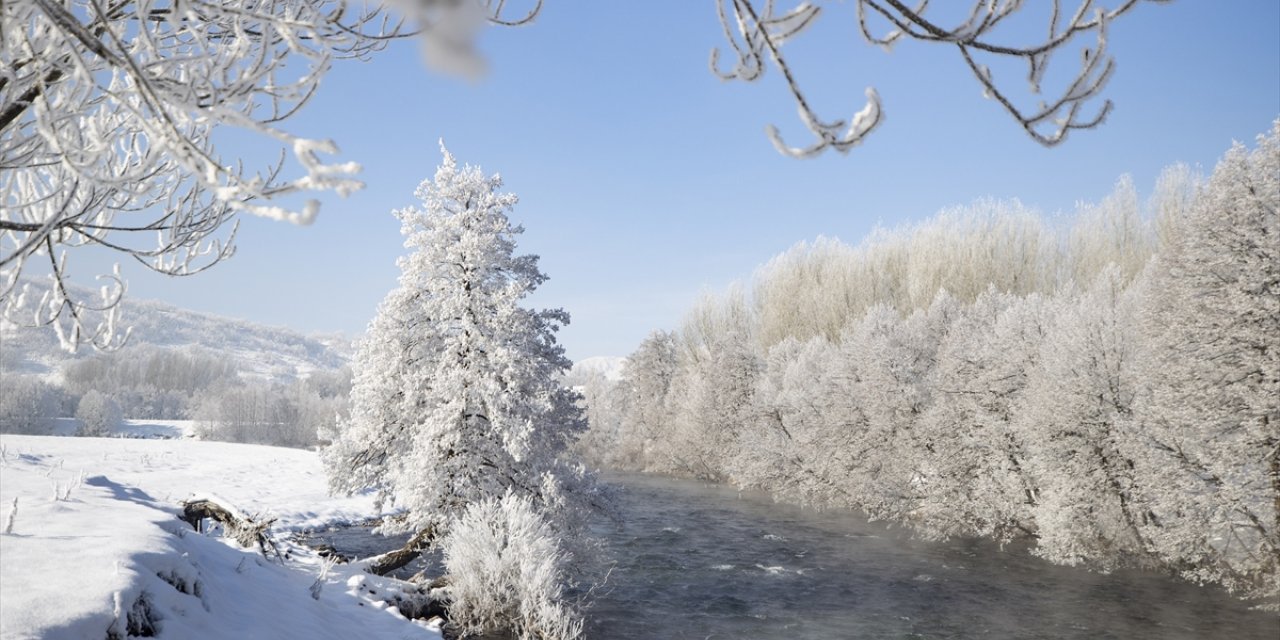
[
  {"x": 609, "y": 367},
  {"x": 269, "y": 352}
]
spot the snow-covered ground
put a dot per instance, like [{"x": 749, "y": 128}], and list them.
[{"x": 96, "y": 539}]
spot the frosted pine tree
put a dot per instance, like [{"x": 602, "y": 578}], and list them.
[{"x": 456, "y": 396}]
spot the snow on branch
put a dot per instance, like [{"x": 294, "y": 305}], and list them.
[
  {"x": 753, "y": 35},
  {"x": 756, "y": 35}
]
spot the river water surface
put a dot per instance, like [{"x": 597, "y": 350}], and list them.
[{"x": 703, "y": 561}]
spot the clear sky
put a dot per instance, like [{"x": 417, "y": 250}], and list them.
[{"x": 644, "y": 180}]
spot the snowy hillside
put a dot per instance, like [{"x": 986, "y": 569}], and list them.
[
  {"x": 95, "y": 548},
  {"x": 260, "y": 350},
  {"x": 608, "y": 366}
]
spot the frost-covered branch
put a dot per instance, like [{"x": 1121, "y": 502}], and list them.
[
  {"x": 753, "y": 35},
  {"x": 756, "y": 35}
]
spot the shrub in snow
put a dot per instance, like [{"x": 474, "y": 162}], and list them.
[
  {"x": 98, "y": 414},
  {"x": 13, "y": 516},
  {"x": 507, "y": 570}
]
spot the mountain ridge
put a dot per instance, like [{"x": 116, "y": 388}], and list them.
[{"x": 260, "y": 350}]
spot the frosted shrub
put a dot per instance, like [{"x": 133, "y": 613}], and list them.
[
  {"x": 98, "y": 414},
  {"x": 506, "y": 569}
]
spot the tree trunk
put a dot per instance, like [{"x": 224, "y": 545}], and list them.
[
  {"x": 242, "y": 529},
  {"x": 388, "y": 562}
]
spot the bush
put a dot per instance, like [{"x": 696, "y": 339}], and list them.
[
  {"x": 506, "y": 571},
  {"x": 98, "y": 414}
]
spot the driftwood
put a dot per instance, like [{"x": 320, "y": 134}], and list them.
[
  {"x": 392, "y": 560},
  {"x": 243, "y": 529}
]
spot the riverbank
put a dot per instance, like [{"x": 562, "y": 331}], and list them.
[
  {"x": 95, "y": 548},
  {"x": 96, "y": 543}
]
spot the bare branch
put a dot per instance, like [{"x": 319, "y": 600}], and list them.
[{"x": 754, "y": 33}]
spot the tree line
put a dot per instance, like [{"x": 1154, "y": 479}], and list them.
[
  {"x": 1109, "y": 389},
  {"x": 147, "y": 382}
]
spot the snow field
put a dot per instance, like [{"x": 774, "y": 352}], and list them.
[{"x": 96, "y": 549}]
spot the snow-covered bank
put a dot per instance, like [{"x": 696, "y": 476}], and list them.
[{"x": 96, "y": 549}]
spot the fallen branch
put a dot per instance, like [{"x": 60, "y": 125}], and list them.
[
  {"x": 392, "y": 560},
  {"x": 241, "y": 528}
]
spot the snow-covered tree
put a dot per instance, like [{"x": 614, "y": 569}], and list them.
[
  {"x": 795, "y": 293},
  {"x": 1077, "y": 421},
  {"x": 151, "y": 382},
  {"x": 892, "y": 358},
  {"x": 1212, "y": 417},
  {"x": 1129, "y": 418},
  {"x": 456, "y": 394},
  {"x": 603, "y": 407},
  {"x": 975, "y": 477},
  {"x": 293, "y": 415},
  {"x": 818, "y": 288},
  {"x": 710, "y": 397},
  {"x": 109, "y": 113},
  {"x": 960, "y": 440},
  {"x": 98, "y": 414},
  {"x": 1112, "y": 232},
  {"x": 796, "y": 446},
  {"x": 646, "y": 385}
]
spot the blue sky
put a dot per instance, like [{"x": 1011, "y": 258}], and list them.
[{"x": 644, "y": 180}]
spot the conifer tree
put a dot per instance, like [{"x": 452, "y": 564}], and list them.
[{"x": 456, "y": 396}]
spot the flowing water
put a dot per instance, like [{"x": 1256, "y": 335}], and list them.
[{"x": 703, "y": 561}]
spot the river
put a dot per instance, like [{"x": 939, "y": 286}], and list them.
[{"x": 706, "y": 562}]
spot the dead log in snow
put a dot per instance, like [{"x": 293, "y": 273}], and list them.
[
  {"x": 243, "y": 529},
  {"x": 392, "y": 560}
]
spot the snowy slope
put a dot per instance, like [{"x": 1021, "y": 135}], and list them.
[
  {"x": 608, "y": 366},
  {"x": 96, "y": 541},
  {"x": 262, "y": 351}
]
